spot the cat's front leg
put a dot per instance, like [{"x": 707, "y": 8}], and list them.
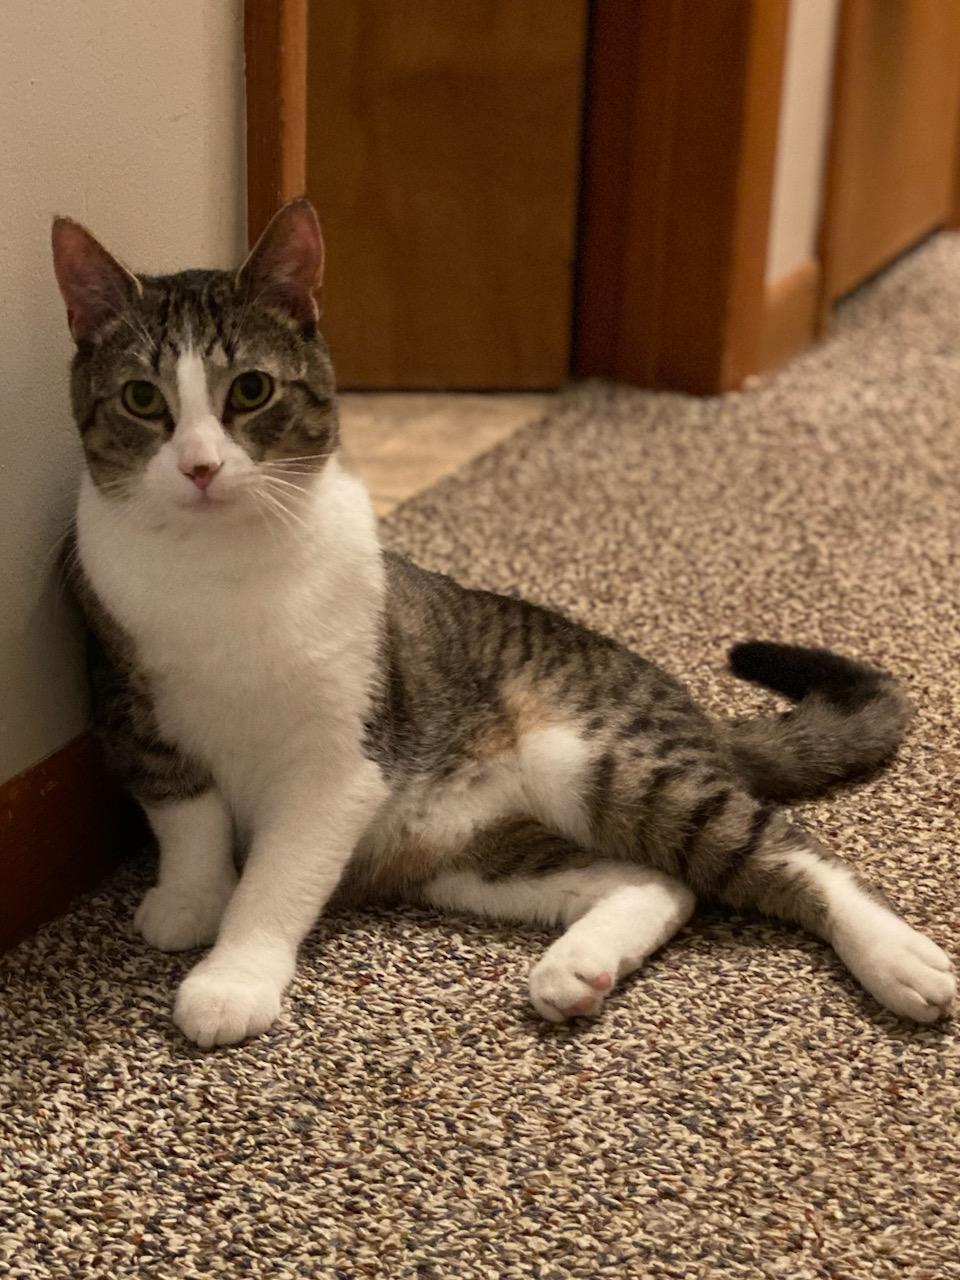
[
  {"x": 303, "y": 839},
  {"x": 196, "y": 876}
]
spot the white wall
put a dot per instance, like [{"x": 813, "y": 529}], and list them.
[
  {"x": 129, "y": 116},
  {"x": 801, "y": 148}
]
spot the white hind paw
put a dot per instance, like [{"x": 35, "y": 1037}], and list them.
[
  {"x": 572, "y": 980},
  {"x": 902, "y": 968}
]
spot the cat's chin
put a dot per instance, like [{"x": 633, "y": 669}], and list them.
[
  {"x": 204, "y": 510},
  {"x": 203, "y": 503}
]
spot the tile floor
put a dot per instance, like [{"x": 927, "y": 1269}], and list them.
[{"x": 404, "y": 442}]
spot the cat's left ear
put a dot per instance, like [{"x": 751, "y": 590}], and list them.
[
  {"x": 285, "y": 266},
  {"x": 95, "y": 286}
]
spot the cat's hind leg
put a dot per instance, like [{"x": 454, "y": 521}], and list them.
[
  {"x": 732, "y": 848},
  {"x": 616, "y": 914},
  {"x": 793, "y": 876},
  {"x": 670, "y": 800},
  {"x": 628, "y": 922}
]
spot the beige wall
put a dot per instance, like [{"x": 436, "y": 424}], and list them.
[
  {"x": 129, "y": 116},
  {"x": 801, "y": 150}
]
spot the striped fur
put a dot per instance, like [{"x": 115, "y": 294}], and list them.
[{"x": 849, "y": 720}]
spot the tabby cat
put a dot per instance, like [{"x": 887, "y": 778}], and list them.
[{"x": 267, "y": 677}]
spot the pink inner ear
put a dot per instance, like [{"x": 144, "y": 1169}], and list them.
[
  {"x": 286, "y": 264},
  {"x": 93, "y": 284}
]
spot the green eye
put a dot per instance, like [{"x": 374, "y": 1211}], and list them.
[
  {"x": 250, "y": 391},
  {"x": 143, "y": 399}
]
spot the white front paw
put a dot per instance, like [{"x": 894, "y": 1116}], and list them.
[
  {"x": 902, "y": 968},
  {"x": 572, "y": 979},
  {"x": 223, "y": 1001},
  {"x": 179, "y": 919}
]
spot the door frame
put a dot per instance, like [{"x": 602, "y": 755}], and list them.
[
  {"x": 676, "y": 188},
  {"x": 275, "y": 50}
]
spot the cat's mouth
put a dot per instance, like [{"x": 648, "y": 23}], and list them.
[{"x": 213, "y": 497}]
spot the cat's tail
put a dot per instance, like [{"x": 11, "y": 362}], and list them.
[{"x": 849, "y": 719}]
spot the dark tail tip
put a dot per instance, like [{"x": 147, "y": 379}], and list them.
[{"x": 795, "y": 672}]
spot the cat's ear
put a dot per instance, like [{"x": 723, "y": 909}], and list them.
[
  {"x": 285, "y": 266},
  {"x": 95, "y": 286}
]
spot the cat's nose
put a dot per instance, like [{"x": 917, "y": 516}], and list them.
[{"x": 202, "y": 475}]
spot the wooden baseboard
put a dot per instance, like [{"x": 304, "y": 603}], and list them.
[
  {"x": 63, "y": 825},
  {"x": 791, "y": 309}
]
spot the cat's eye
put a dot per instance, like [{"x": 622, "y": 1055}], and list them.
[
  {"x": 250, "y": 391},
  {"x": 143, "y": 399}
]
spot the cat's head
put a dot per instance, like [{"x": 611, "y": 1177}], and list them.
[{"x": 205, "y": 391}]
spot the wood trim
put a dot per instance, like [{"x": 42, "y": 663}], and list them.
[
  {"x": 275, "y": 44},
  {"x": 742, "y": 343},
  {"x": 953, "y": 218},
  {"x": 63, "y": 825},
  {"x": 683, "y": 108},
  {"x": 790, "y": 315},
  {"x": 834, "y": 160}
]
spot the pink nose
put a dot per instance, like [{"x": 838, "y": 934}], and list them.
[{"x": 203, "y": 474}]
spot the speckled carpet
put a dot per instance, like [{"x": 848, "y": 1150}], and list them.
[{"x": 740, "y": 1110}]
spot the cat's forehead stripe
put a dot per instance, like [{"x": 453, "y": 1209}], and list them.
[{"x": 192, "y": 385}]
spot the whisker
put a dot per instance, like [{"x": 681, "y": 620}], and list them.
[
  {"x": 57, "y": 546},
  {"x": 139, "y": 329},
  {"x": 301, "y": 457},
  {"x": 285, "y": 484},
  {"x": 64, "y": 558},
  {"x": 234, "y": 335},
  {"x": 259, "y": 479},
  {"x": 311, "y": 473},
  {"x": 283, "y": 512},
  {"x": 280, "y": 516},
  {"x": 293, "y": 466},
  {"x": 264, "y": 516},
  {"x": 114, "y": 488},
  {"x": 300, "y": 483},
  {"x": 296, "y": 468},
  {"x": 298, "y": 520},
  {"x": 286, "y": 472}
]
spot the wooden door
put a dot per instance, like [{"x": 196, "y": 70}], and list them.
[
  {"x": 463, "y": 153},
  {"x": 894, "y": 149},
  {"x": 442, "y": 147}
]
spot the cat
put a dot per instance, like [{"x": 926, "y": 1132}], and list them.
[{"x": 266, "y": 675}]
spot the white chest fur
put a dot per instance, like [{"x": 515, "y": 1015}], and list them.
[{"x": 259, "y": 647}]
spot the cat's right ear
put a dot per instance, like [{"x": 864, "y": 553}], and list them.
[
  {"x": 94, "y": 285},
  {"x": 285, "y": 267}
]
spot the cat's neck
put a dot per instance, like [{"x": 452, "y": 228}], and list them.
[{"x": 141, "y": 568}]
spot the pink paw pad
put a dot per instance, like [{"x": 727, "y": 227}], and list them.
[
  {"x": 585, "y": 1005},
  {"x": 591, "y": 1003}
]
